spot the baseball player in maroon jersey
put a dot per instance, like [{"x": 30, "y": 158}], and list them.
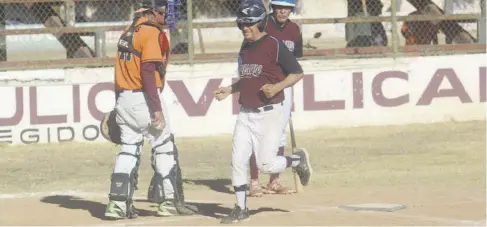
[
  {"x": 266, "y": 68},
  {"x": 281, "y": 27}
]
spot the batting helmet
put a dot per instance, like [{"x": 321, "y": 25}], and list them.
[
  {"x": 252, "y": 12},
  {"x": 289, "y": 3},
  {"x": 109, "y": 128}
]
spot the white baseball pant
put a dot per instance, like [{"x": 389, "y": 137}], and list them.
[
  {"x": 259, "y": 132},
  {"x": 286, "y": 109},
  {"x": 134, "y": 119}
]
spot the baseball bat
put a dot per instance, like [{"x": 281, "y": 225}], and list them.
[{"x": 297, "y": 182}]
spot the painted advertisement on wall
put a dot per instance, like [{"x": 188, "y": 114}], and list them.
[{"x": 438, "y": 89}]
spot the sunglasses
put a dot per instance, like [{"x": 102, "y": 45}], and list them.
[{"x": 242, "y": 25}]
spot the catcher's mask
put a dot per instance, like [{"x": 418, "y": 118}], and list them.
[{"x": 110, "y": 129}]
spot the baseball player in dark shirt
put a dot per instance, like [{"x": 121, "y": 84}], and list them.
[
  {"x": 266, "y": 67},
  {"x": 281, "y": 27}
]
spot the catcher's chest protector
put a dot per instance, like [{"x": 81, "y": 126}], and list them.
[{"x": 125, "y": 43}]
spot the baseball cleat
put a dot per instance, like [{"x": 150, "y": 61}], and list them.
[
  {"x": 255, "y": 190},
  {"x": 167, "y": 209},
  {"x": 132, "y": 212},
  {"x": 115, "y": 210},
  {"x": 277, "y": 188},
  {"x": 236, "y": 215},
  {"x": 303, "y": 169}
]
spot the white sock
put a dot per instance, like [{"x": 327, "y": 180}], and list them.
[{"x": 241, "y": 199}]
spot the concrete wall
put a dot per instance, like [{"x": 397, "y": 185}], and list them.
[{"x": 51, "y": 105}]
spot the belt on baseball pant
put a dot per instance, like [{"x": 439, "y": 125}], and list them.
[
  {"x": 261, "y": 109},
  {"x": 159, "y": 90}
]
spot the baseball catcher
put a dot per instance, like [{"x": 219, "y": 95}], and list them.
[{"x": 140, "y": 112}]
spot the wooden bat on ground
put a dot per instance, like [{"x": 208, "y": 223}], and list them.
[{"x": 297, "y": 182}]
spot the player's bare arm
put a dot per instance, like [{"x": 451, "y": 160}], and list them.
[{"x": 223, "y": 92}]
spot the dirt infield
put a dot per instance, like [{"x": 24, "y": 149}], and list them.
[{"x": 437, "y": 171}]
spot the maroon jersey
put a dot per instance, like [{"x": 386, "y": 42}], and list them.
[
  {"x": 265, "y": 61},
  {"x": 289, "y": 33}
]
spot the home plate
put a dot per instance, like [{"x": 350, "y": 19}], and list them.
[{"x": 385, "y": 207}]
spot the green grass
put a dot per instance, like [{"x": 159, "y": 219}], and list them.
[{"x": 426, "y": 155}]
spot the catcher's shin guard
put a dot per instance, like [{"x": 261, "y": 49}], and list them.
[
  {"x": 155, "y": 192},
  {"x": 123, "y": 185},
  {"x": 177, "y": 182}
]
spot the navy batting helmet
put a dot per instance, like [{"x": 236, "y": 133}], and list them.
[{"x": 252, "y": 12}]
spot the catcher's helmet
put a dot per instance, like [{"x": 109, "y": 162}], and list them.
[
  {"x": 158, "y": 5},
  {"x": 252, "y": 12},
  {"x": 109, "y": 128}
]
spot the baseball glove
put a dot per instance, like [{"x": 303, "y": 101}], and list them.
[{"x": 109, "y": 128}]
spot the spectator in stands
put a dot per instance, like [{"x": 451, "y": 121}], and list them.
[
  {"x": 365, "y": 34},
  {"x": 420, "y": 32}
]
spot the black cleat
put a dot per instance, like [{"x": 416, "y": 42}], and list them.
[
  {"x": 236, "y": 215},
  {"x": 303, "y": 169},
  {"x": 132, "y": 212}
]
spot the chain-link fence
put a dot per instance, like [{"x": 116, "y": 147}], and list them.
[{"x": 85, "y": 32}]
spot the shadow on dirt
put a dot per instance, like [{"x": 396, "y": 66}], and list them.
[
  {"x": 96, "y": 209},
  {"x": 218, "y": 185},
  {"x": 216, "y": 210}
]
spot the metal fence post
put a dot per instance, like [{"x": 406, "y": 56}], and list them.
[
  {"x": 394, "y": 37},
  {"x": 100, "y": 44},
  {"x": 69, "y": 13},
  {"x": 189, "y": 4},
  {"x": 481, "y": 30},
  {"x": 3, "y": 38}
]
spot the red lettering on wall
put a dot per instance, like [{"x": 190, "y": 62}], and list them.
[
  {"x": 76, "y": 104},
  {"x": 19, "y": 109},
  {"x": 92, "y": 93},
  {"x": 191, "y": 107},
  {"x": 483, "y": 84},
  {"x": 358, "y": 90},
  {"x": 378, "y": 94},
  {"x": 309, "y": 102},
  {"x": 35, "y": 119},
  {"x": 456, "y": 90}
]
